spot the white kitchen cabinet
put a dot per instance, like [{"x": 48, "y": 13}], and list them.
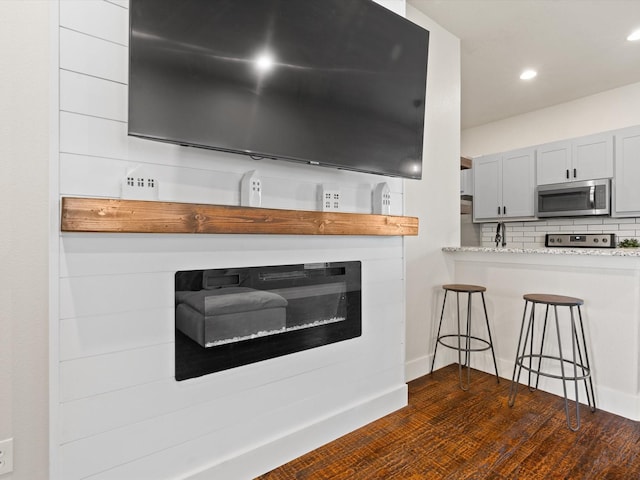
[
  {"x": 487, "y": 187},
  {"x": 554, "y": 162},
  {"x": 466, "y": 182},
  {"x": 504, "y": 186},
  {"x": 583, "y": 158},
  {"x": 593, "y": 156},
  {"x": 626, "y": 180}
]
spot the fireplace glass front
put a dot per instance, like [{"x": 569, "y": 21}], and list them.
[{"x": 228, "y": 317}]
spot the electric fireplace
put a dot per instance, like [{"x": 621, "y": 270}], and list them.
[{"x": 229, "y": 317}]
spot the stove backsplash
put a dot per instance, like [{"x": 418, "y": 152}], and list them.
[{"x": 532, "y": 234}]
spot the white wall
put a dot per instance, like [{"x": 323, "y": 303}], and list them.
[
  {"x": 115, "y": 318},
  {"x": 24, "y": 184},
  {"x": 435, "y": 199},
  {"x": 617, "y": 108}
]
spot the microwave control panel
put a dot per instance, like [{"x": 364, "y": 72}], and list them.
[{"x": 580, "y": 240}]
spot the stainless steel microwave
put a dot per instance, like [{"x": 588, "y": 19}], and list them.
[{"x": 574, "y": 199}]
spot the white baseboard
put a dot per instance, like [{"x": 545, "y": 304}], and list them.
[
  {"x": 623, "y": 404},
  {"x": 286, "y": 448},
  {"x": 417, "y": 368},
  {"x": 421, "y": 366}
]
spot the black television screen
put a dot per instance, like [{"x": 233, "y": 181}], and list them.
[{"x": 339, "y": 83}]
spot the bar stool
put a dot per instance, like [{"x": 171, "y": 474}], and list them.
[
  {"x": 481, "y": 344},
  {"x": 578, "y": 364}
]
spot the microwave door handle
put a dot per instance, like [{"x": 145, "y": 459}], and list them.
[{"x": 592, "y": 196}]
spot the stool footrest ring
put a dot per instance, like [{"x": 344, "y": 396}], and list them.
[
  {"x": 463, "y": 338},
  {"x": 586, "y": 373}
]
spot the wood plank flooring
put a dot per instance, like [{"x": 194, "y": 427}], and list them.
[{"x": 445, "y": 433}]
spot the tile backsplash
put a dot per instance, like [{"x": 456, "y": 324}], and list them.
[{"x": 531, "y": 234}]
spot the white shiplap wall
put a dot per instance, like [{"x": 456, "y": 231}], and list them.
[{"x": 118, "y": 412}]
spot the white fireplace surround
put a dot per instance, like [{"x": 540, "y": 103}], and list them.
[
  {"x": 112, "y": 371},
  {"x": 82, "y": 309}
]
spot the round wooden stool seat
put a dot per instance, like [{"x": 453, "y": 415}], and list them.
[
  {"x": 559, "y": 300},
  {"x": 460, "y": 287}
]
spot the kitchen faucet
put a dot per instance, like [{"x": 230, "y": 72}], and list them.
[
  {"x": 501, "y": 238},
  {"x": 504, "y": 234}
]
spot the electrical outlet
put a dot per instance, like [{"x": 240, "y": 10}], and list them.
[
  {"x": 250, "y": 190},
  {"x": 6, "y": 456},
  {"x": 329, "y": 199},
  {"x": 139, "y": 185},
  {"x": 381, "y": 199}
]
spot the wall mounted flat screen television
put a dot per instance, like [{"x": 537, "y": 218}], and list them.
[{"x": 339, "y": 83}]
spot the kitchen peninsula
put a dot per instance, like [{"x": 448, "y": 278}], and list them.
[{"x": 607, "y": 279}]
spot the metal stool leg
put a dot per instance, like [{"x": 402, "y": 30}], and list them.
[
  {"x": 544, "y": 332},
  {"x": 530, "y": 337},
  {"x": 564, "y": 376},
  {"x": 591, "y": 399},
  {"x": 467, "y": 353},
  {"x": 517, "y": 367},
  {"x": 585, "y": 371},
  {"x": 493, "y": 353},
  {"x": 466, "y": 357},
  {"x": 444, "y": 302}
]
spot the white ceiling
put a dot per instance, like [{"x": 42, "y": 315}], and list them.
[{"x": 579, "y": 48}]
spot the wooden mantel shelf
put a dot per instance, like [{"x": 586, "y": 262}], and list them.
[{"x": 138, "y": 216}]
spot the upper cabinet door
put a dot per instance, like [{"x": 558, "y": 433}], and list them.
[
  {"x": 487, "y": 187},
  {"x": 593, "y": 157},
  {"x": 466, "y": 182},
  {"x": 626, "y": 182},
  {"x": 554, "y": 162},
  {"x": 518, "y": 183},
  {"x": 504, "y": 186},
  {"x": 584, "y": 158}
]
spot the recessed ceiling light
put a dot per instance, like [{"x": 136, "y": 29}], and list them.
[
  {"x": 528, "y": 74},
  {"x": 634, "y": 36}
]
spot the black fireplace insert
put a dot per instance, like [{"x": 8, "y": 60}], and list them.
[{"x": 229, "y": 317}]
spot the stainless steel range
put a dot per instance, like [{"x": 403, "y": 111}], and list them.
[{"x": 580, "y": 240}]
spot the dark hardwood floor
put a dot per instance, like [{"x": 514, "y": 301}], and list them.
[{"x": 450, "y": 434}]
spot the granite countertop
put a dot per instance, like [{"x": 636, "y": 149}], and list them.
[{"x": 603, "y": 252}]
